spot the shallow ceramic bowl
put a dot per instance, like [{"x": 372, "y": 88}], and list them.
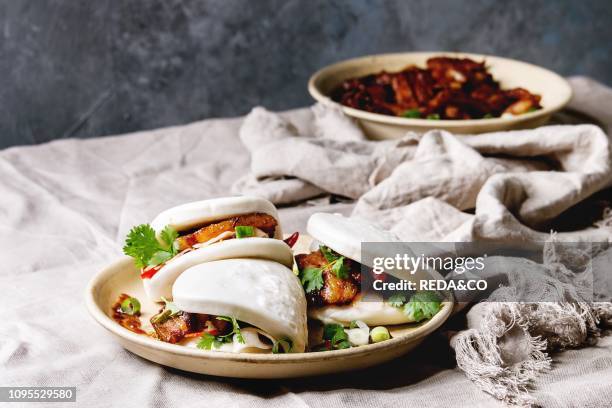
[
  {"x": 555, "y": 92},
  {"x": 122, "y": 277}
]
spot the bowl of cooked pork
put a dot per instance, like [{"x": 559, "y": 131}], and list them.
[{"x": 390, "y": 94}]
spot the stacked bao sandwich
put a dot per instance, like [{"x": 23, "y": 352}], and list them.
[{"x": 227, "y": 281}]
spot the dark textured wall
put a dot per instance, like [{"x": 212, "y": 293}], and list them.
[{"x": 88, "y": 68}]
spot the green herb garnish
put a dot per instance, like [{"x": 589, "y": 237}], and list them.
[
  {"x": 422, "y": 306},
  {"x": 235, "y": 330},
  {"x": 312, "y": 278},
  {"x": 337, "y": 337},
  {"x": 433, "y": 116},
  {"x": 328, "y": 253},
  {"x": 338, "y": 267},
  {"x": 412, "y": 113},
  {"x": 130, "y": 306},
  {"x": 336, "y": 262},
  {"x": 284, "y": 345},
  {"x": 397, "y": 300},
  {"x": 208, "y": 341},
  {"x": 488, "y": 116},
  {"x": 142, "y": 244},
  {"x": 244, "y": 231}
]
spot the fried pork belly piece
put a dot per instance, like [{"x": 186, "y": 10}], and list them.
[
  {"x": 455, "y": 72},
  {"x": 264, "y": 222},
  {"x": 173, "y": 329},
  {"x": 335, "y": 291},
  {"x": 524, "y": 101}
]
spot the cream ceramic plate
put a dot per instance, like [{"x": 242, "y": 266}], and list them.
[
  {"x": 555, "y": 92},
  {"x": 122, "y": 277}
]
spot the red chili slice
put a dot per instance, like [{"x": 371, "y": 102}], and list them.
[
  {"x": 211, "y": 328},
  {"x": 292, "y": 239},
  {"x": 194, "y": 334},
  {"x": 149, "y": 272}
]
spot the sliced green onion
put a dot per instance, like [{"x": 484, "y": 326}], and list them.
[
  {"x": 244, "y": 231},
  {"x": 412, "y": 113},
  {"x": 171, "y": 306},
  {"x": 284, "y": 345},
  {"x": 161, "y": 317},
  {"x": 130, "y": 306},
  {"x": 433, "y": 116},
  {"x": 380, "y": 333}
]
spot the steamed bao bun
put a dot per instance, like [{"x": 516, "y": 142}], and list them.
[
  {"x": 190, "y": 216},
  {"x": 160, "y": 285},
  {"x": 344, "y": 236},
  {"x": 262, "y": 293}
]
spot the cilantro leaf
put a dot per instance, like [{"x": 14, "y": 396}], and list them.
[
  {"x": 337, "y": 337},
  {"x": 329, "y": 330},
  {"x": 336, "y": 262},
  {"x": 142, "y": 244},
  {"x": 397, "y": 300},
  {"x": 206, "y": 341},
  {"x": 422, "y": 306},
  {"x": 343, "y": 345},
  {"x": 329, "y": 255},
  {"x": 312, "y": 279},
  {"x": 338, "y": 267},
  {"x": 159, "y": 257},
  {"x": 168, "y": 235}
]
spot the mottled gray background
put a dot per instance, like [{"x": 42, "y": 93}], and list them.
[{"x": 89, "y": 68}]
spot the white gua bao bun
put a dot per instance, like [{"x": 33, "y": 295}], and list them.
[
  {"x": 192, "y": 215},
  {"x": 345, "y": 235},
  {"x": 160, "y": 285},
  {"x": 259, "y": 292},
  {"x": 188, "y": 216}
]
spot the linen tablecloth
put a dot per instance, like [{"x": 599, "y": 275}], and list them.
[{"x": 65, "y": 208}]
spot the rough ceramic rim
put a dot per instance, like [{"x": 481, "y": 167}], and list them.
[
  {"x": 318, "y": 95},
  {"x": 105, "y": 321}
]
